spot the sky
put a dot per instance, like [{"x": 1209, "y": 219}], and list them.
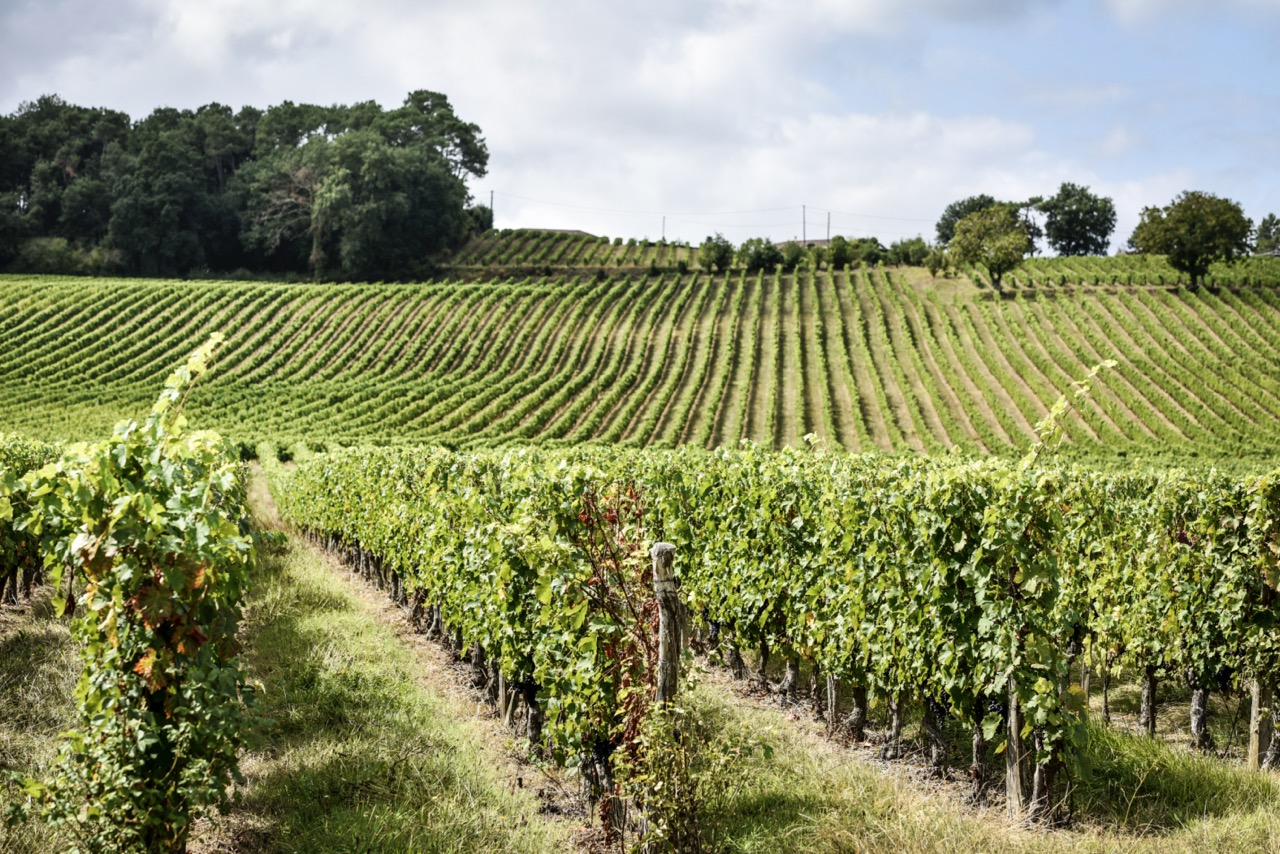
[{"x": 753, "y": 118}]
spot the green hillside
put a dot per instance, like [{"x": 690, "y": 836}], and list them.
[{"x": 881, "y": 359}]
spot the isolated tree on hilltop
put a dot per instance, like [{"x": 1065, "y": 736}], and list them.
[
  {"x": 995, "y": 238},
  {"x": 1078, "y": 222},
  {"x": 1022, "y": 211},
  {"x": 1194, "y": 231}
]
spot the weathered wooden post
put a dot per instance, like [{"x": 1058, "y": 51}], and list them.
[
  {"x": 1147, "y": 711},
  {"x": 1015, "y": 776},
  {"x": 1259, "y": 722},
  {"x": 664, "y": 586}
]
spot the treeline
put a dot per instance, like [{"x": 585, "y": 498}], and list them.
[
  {"x": 330, "y": 192},
  {"x": 760, "y": 253}
]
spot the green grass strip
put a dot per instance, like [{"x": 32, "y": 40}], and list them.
[{"x": 360, "y": 754}]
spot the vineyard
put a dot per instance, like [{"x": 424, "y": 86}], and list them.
[
  {"x": 833, "y": 463},
  {"x": 880, "y": 359},
  {"x": 561, "y": 250},
  {"x": 971, "y": 588},
  {"x": 496, "y": 253}
]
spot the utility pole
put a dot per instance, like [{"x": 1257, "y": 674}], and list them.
[
  {"x": 664, "y": 228},
  {"x": 804, "y": 235},
  {"x": 491, "y": 207},
  {"x": 828, "y": 226}
]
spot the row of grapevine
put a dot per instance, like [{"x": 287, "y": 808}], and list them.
[
  {"x": 1138, "y": 271},
  {"x": 21, "y": 568},
  {"x": 972, "y": 587},
  {"x": 535, "y": 563},
  {"x": 874, "y": 359},
  {"x": 568, "y": 249}
]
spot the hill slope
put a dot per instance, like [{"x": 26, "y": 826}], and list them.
[{"x": 884, "y": 359}]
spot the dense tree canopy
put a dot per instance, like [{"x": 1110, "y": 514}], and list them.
[
  {"x": 994, "y": 237},
  {"x": 340, "y": 191},
  {"x": 759, "y": 253},
  {"x": 1077, "y": 222},
  {"x": 1268, "y": 237},
  {"x": 716, "y": 253},
  {"x": 957, "y": 211},
  {"x": 909, "y": 251},
  {"x": 1194, "y": 231},
  {"x": 839, "y": 252}
]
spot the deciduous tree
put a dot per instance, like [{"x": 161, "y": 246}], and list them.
[
  {"x": 957, "y": 211},
  {"x": 1077, "y": 222},
  {"x": 793, "y": 255},
  {"x": 757, "y": 253},
  {"x": 1194, "y": 231},
  {"x": 993, "y": 237},
  {"x": 910, "y": 251},
  {"x": 160, "y": 208},
  {"x": 1268, "y": 239},
  {"x": 716, "y": 253},
  {"x": 839, "y": 253}
]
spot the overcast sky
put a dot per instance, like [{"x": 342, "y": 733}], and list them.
[{"x": 728, "y": 115}]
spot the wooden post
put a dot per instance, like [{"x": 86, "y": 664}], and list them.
[
  {"x": 1147, "y": 711},
  {"x": 1015, "y": 785},
  {"x": 664, "y": 585},
  {"x": 833, "y": 705},
  {"x": 1259, "y": 723},
  {"x": 1085, "y": 661}
]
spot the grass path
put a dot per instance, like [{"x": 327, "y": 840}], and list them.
[
  {"x": 38, "y": 670},
  {"x": 372, "y": 745}
]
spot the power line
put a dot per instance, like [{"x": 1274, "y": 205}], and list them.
[
  {"x": 641, "y": 212},
  {"x": 698, "y": 218},
  {"x": 881, "y": 216}
]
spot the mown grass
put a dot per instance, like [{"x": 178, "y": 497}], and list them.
[
  {"x": 38, "y": 672},
  {"x": 358, "y": 755},
  {"x": 806, "y": 795}
]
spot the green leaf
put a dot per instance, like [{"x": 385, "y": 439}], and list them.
[
  {"x": 991, "y": 725},
  {"x": 544, "y": 589},
  {"x": 577, "y": 615}
]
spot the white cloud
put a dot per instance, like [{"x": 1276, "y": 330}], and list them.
[
  {"x": 1142, "y": 11},
  {"x": 1119, "y": 141},
  {"x": 882, "y": 111},
  {"x": 889, "y": 175}
]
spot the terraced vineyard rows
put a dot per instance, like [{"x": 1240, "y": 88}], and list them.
[
  {"x": 555, "y": 251},
  {"x": 560, "y": 250},
  {"x": 868, "y": 359}
]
